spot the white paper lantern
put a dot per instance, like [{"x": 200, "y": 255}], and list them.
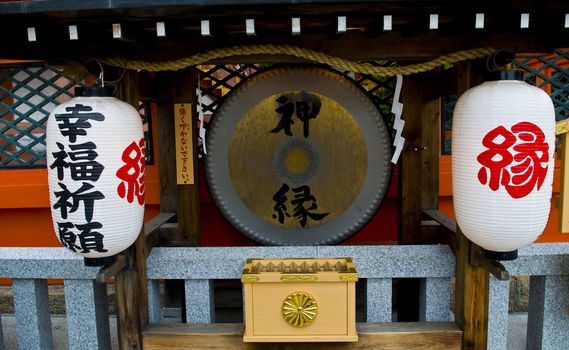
[
  {"x": 95, "y": 159},
  {"x": 502, "y": 163}
]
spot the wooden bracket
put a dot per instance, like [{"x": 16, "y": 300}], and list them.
[
  {"x": 494, "y": 267},
  {"x": 110, "y": 271}
]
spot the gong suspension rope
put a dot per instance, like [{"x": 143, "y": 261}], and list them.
[{"x": 299, "y": 52}]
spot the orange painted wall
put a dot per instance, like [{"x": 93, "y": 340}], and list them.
[
  {"x": 25, "y": 216},
  {"x": 25, "y": 219}
]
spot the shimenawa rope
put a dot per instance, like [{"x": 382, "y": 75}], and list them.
[{"x": 300, "y": 52}]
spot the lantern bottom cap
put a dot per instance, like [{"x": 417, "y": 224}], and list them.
[
  {"x": 493, "y": 255},
  {"x": 105, "y": 261}
]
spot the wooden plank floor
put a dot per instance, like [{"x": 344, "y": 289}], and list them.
[{"x": 228, "y": 336}]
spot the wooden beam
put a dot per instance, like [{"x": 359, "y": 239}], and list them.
[
  {"x": 433, "y": 335},
  {"x": 410, "y": 192},
  {"x": 153, "y": 227},
  {"x": 131, "y": 283},
  {"x": 471, "y": 297},
  {"x": 185, "y": 85},
  {"x": 410, "y": 161},
  {"x": 353, "y": 45},
  {"x": 443, "y": 219},
  {"x": 430, "y": 131},
  {"x": 472, "y": 282},
  {"x": 165, "y": 143},
  {"x": 110, "y": 271}
]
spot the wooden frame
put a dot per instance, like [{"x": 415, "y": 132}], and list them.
[
  {"x": 372, "y": 336},
  {"x": 411, "y": 41}
]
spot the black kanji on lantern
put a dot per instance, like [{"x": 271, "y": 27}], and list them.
[
  {"x": 280, "y": 207},
  {"x": 71, "y": 200},
  {"x": 83, "y": 166},
  {"x": 73, "y": 124},
  {"x": 67, "y": 237},
  {"x": 59, "y": 161},
  {"x": 307, "y": 107},
  {"x": 89, "y": 239}
]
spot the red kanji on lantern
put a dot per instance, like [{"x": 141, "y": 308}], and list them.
[
  {"x": 132, "y": 173},
  {"x": 519, "y": 170}
]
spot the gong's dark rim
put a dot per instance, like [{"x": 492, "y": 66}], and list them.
[{"x": 322, "y": 81}]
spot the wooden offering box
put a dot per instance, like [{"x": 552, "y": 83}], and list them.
[{"x": 300, "y": 300}]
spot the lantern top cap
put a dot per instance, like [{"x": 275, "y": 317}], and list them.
[
  {"x": 506, "y": 75},
  {"x": 94, "y": 91}
]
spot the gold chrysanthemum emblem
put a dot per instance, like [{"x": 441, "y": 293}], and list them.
[{"x": 300, "y": 309}]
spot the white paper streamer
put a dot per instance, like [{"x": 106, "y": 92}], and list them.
[
  {"x": 201, "y": 130},
  {"x": 398, "y": 123}
]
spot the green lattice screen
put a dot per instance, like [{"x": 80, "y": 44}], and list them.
[
  {"x": 550, "y": 73},
  {"x": 28, "y": 93},
  {"x": 216, "y": 81}
]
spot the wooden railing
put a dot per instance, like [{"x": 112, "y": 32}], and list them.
[
  {"x": 378, "y": 266},
  {"x": 547, "y": 264},
  {"x": 85, "y": 298}
]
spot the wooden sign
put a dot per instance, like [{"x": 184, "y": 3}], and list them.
[
  {"x": 561, "y": 129},
  {"x": 184, "y": 151}
]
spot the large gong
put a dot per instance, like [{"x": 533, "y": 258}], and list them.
[{"x": 298, "y": 155}]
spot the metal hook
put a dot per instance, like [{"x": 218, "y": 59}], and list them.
[
  {"x": 499, "y": 59},
  {"x": 416, "y": 148}
]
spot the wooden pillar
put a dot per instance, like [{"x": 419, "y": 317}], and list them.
[
  {"x": 184, "y": 91},
  {"x": 130, "y": 283},
  {"x": 430, "y": 140},
  {"x": 410, "y": 162},
  {"x": 418, "y": 175},
  {"x": 471, "y": 297},
  {"x": 472, "y": 282},
  {"x": 168, "y": 89},
  {"x": 177, "y": 87},
  {"x": 165, "y": 142},
  {"x": 408, "y": 290}
]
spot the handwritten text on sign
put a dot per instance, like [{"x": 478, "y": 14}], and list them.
[{"x": 184, "y": 152}]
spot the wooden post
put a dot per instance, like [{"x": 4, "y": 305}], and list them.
[
  {"x": 430, "y": 131},
  {"x": 472, "y": 282},
  {"x": 185, "y": 85},
  {"x": 431, "y": 233},
  {"x": 410, "y": 162},
  {"x": 130, "y": 283},
  {"x": 471, "y": 297},
  {"x": 410, "y": 191},
  {"x": 183, "y": 199},
  {"x": 166, "y": 144}
]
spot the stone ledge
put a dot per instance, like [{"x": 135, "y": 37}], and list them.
[
  {"x": 35, "y": 263},
  {"x": 371, "y": 261}
]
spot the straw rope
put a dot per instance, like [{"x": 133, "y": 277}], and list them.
[{"x": 299, "y": 52}]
